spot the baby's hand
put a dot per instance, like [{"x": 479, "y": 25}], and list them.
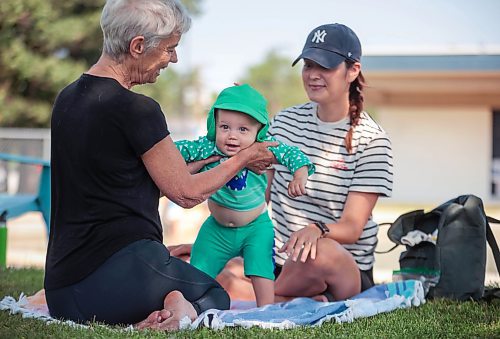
[{"x": 297, "y": 186}]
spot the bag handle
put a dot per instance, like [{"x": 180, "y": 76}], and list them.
[
  {"x": 492, "y": 242},
  {"x": 393, "y": 247},
  {"x": 387, "y": 251},
  {"x": 489, "y": 237}
]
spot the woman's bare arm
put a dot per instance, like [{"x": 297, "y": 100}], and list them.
[
  {"x": 270, "y": 177},
  {"x": 347, "y": 230},
  {"x": 358, "y": 208},
  {"x": 195, "y": 166},
  {"x": 170, "y": 172}
]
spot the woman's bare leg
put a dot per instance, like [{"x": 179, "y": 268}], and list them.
[
  {"x": 264, "y": 290},
  {"x": 334, "y": 269},
  {"x": 232, "y": 277},
  {"x": 233, "y": 280}
]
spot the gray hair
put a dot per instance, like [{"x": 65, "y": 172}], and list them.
[{"x": 122, "y": 20}]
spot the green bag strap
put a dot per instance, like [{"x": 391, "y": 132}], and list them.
[{"x": 492, "y": 242}]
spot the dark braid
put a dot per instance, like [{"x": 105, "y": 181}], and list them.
[{"x": 355, "y": 105}]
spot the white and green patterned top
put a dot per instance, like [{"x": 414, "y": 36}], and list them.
[{"x": 246, "y": 190}]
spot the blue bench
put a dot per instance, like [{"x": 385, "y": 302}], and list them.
[{"x": 13, "y": 205}]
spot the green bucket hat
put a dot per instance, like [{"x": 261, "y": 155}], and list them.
[{"x": 245, "y": 99}]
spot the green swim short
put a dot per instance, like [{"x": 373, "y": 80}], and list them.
[{"x": 216, "y": 244}]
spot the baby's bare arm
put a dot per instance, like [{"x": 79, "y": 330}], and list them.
[{"x": 297, "y": 186}]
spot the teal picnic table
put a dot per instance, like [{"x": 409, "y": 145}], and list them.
[{"x": 14, "y": 205}]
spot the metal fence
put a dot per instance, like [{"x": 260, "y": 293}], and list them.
[
  {"x": 21, "y": 178},
  {"x": 35, "y": 142}
]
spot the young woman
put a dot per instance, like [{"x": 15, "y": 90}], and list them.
[{"x": 325, "y": 240}]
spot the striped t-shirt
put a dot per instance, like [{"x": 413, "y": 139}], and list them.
[{"x": 368, "y": 168}]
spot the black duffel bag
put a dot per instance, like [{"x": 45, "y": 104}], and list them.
[{"x": 455, "y": 265}]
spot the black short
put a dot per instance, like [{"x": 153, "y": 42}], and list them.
[
  {"x": 131, "y": 284},
  {"x": 366, "y": 277}
]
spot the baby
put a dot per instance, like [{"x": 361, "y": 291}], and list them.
[{"x": 239, "y": 224}]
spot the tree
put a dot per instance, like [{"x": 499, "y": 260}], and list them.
[
  {"x": 277, "y": 81},
  {"x": 45, "y": 45},
  {"x": 177, "y": 93}
]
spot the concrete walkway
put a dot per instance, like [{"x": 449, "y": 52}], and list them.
[{"x": 27, "y": 239}]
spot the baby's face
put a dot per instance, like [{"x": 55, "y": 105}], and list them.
[{"x": 235, "y": 131}]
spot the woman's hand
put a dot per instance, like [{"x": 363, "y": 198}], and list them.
[
  {"x": 261, "y": 157},
  {"x": 305, "y": 241},
  {"x": 196, "y": 166}
]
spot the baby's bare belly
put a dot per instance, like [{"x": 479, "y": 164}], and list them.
[{"x": 232, "y": 218}]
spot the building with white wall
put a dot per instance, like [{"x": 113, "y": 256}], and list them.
[{"x": 442, "y": 113}]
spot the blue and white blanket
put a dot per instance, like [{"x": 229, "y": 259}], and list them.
[
  {"x": 308, "y": 312},
  {"x": 298, "y": 312}
]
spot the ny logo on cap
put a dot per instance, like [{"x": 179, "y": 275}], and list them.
[{"x": 319, "y": 36}]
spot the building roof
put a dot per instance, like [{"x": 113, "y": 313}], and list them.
[
  {"x": 433, "y": 79},
  {"x": 431, "y": 63}
]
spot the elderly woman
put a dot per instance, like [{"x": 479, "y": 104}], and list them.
[{"x": 111, "y": 157}]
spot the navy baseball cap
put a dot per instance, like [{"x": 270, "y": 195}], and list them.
[{"x": 329, "y": 45}]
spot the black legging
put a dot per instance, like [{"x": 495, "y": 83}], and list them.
[{"x": 133, "y": 283}]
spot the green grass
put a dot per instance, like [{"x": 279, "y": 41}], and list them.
[{"x": 435, "y": 319}]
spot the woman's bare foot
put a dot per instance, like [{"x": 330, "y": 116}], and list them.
[
  {"x": 37, "y": 301},
  {"x": 154, "y": 320},
  {"x": 176, "y": 308},
  {"x": 180, "y": 308},
  {"x": 38, "y": 298}
]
